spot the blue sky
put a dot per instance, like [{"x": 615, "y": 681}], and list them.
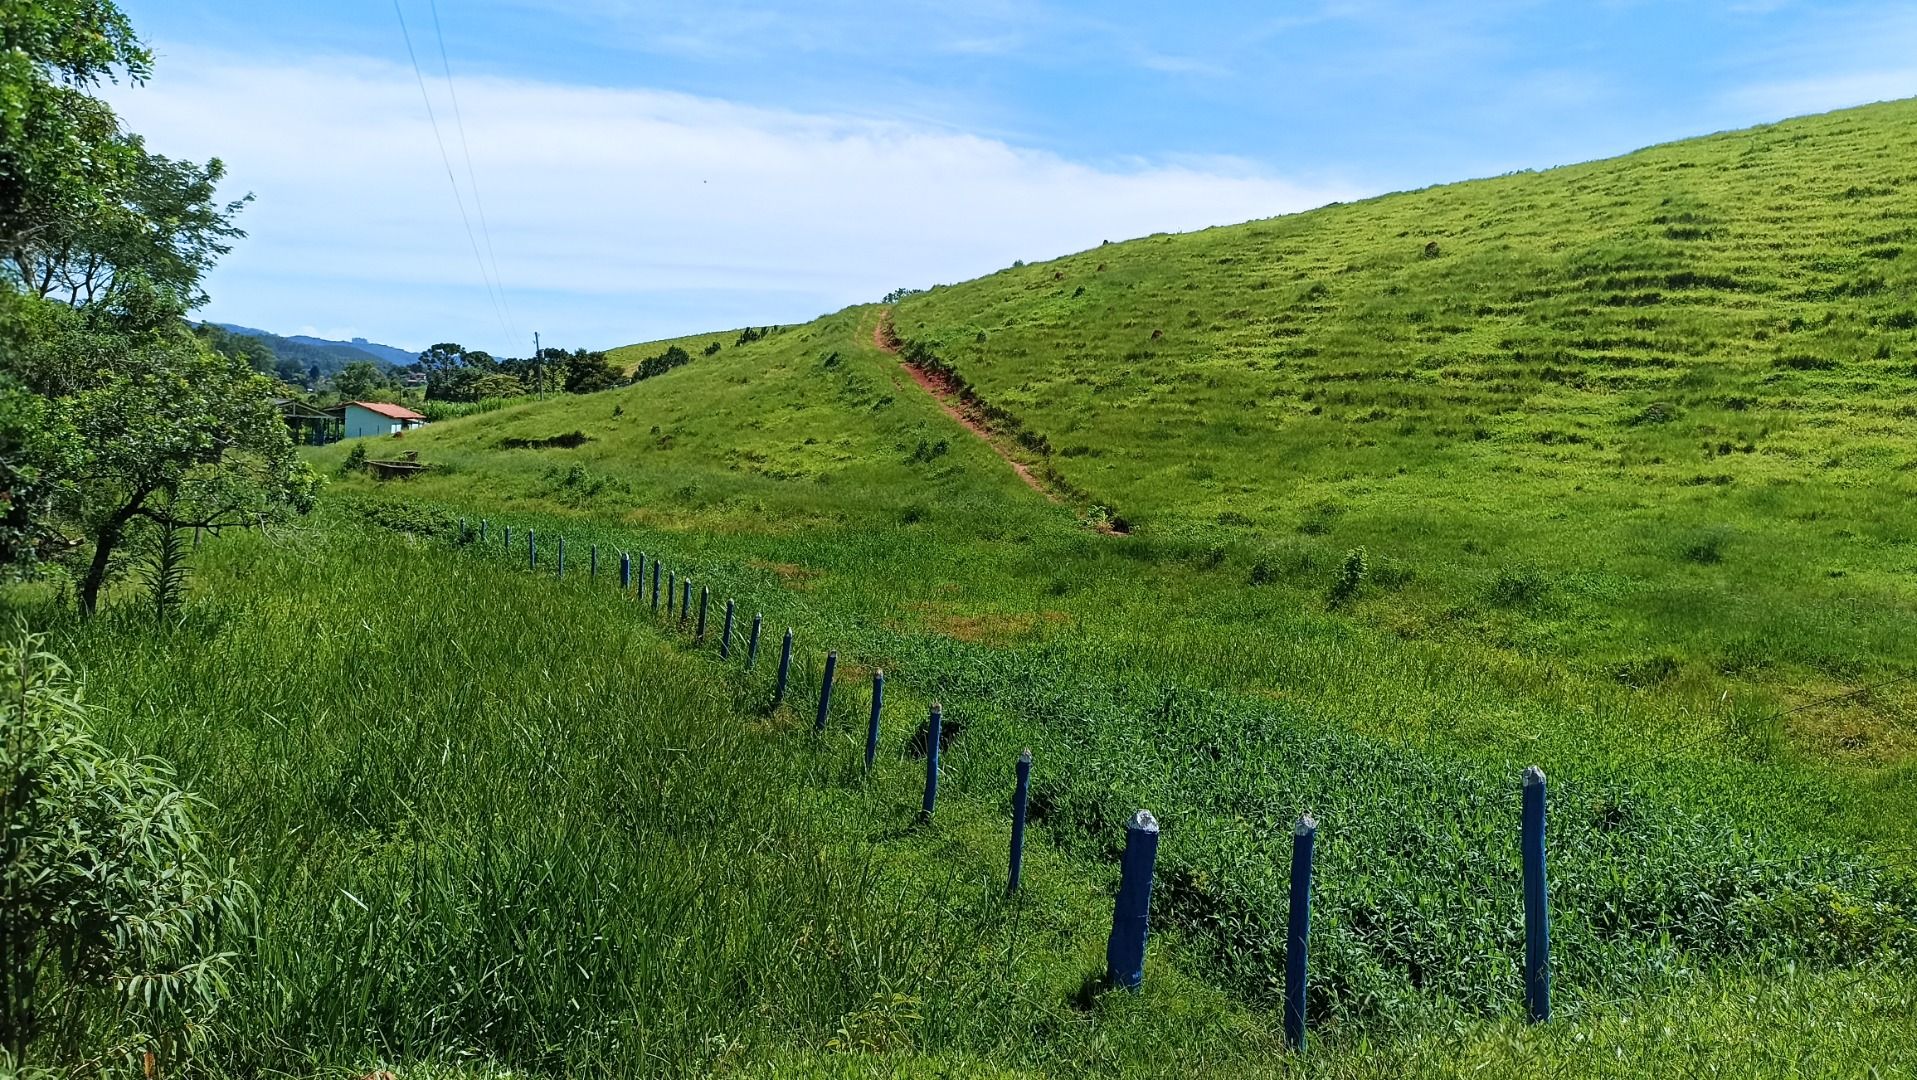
[{"x": 648, "y": 169}]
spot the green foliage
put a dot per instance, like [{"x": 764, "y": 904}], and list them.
[
  {"x": 673, "y": 357},
  {"x": 1707, "y": 547},
  {"x": 38, "y": 451},
  {"x": 355, "y": 460},
  {"x": 1349, "y": 579},
  {"x": 165, "y": 571},
  {"x": 111, "y": 900},
  {"x": 590, "y": 372},
  {"x": 360, "y": 381}
]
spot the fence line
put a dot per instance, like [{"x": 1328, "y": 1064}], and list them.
[{"x": 1126, "y": 945}]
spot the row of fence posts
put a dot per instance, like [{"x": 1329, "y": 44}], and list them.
[{"x": 1131, "y": 910}]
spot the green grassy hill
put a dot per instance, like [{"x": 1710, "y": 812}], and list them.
[
  {"x": 1603, "y": 469},
  {"x": 1652, "y": 409}
]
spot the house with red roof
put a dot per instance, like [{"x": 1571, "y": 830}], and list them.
[{"x": 361, "y": 418}]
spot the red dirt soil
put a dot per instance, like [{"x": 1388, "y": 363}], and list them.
[{"x": 946, "y": 393}]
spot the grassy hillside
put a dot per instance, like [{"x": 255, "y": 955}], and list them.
[
  {"x": 1601, "y": 469},
  {"x": 1653, "y": 414}
]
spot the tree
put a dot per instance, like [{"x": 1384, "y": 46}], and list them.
[
  {"x": 149, "y": 216},
  {"x": 161, "y": 429},
  {"x": 36, "y": 452},
  {"x": 112, "y": 412},
  {"x": 452, "y": 372},
  {"x": 497, "y": 384},
  {"x": 358, "y": 380},
  {"x": 589, "y": 372},
  {"x": 55, "y": 138}
]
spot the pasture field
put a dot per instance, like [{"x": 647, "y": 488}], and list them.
[
  {"x": 1356, "y": 513},
  {"x": 498, "y": 824}
]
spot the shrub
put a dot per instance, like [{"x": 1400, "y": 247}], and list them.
[
  {"x": 1518, "y": 586},
  {"x": 355, "y": 459},
  {"x": 1707, "y": 547},
  {"x": 165, "y": 571},
  {"x": 110, "y": 905},
  {"x": 1657, "y": 412},
  {"x": 673, "y": 357},
  {"x": 1350, "y": 578}
]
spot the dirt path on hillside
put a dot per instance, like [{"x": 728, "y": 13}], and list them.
[{"x": 947, "y": 395}]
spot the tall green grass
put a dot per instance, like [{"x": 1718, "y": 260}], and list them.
[{"x": 499, "y": 822}]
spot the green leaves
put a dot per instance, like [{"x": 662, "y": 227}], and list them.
[{"x": 108, "y": 899}]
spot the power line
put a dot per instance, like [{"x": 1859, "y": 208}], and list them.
[
  {"x": 446, "y": 160},
  {"x": 472, "y": 178}
]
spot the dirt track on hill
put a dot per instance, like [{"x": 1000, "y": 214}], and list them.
[{"x": 946, "y": 393}]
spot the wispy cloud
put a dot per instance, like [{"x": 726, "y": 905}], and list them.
[
  {"x": 623, "y": 214},
  {"x": 1797, "y": 97}
]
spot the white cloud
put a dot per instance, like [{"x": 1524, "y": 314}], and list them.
[
  {"x": 1799, "y": 97},
  {"x": 622, "y": 214}
]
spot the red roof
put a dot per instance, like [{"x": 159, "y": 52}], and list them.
[{"x": 396, "y": 412}]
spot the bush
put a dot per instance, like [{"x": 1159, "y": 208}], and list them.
[
  {"x": 1707, "y": 548},
  {"x": 673, "y": 357},
  {"x": 1351, "y": 577},
  {"x": 1518, "y": 586},
  {"x": 110, "y": 905},
  {"x": 355, "y": 459}
]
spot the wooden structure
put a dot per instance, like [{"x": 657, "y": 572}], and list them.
[{"x": 307, "y": 424}]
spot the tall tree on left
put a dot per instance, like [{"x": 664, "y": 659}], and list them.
[{"x": 112, "y": 413}]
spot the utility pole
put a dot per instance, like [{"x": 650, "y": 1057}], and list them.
[{"x": 539, "y": 367}]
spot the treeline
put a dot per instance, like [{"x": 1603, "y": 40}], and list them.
[{"x": 456, "y": 373}]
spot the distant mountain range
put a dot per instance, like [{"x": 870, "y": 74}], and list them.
[{"x": 328, "y": 354}]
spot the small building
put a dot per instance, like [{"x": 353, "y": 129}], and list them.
[
  {"x": 361, "y": 418},
  {"x": 309, "y": 425}
]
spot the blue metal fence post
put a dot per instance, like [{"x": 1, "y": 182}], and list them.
[
  {"x": 593, "y": 574},
  {"x": 825, "y": 689},
  {"x": 1298, "y": 931},
  {"x": 685, "y": 599},
  {"x": 1131, "y": 913},
  {"x": 752, "y": 646},
  {"x": 872, "y": 723},
  {"x": 1537, "y": 910},
  {"x": 532, "y": 550},
  {"x": 935, "y": 727},
  {"x": 785, "y": 669},
  {"x": 705, "y": 597},
  {"x": 482, "y": 530},
  {"x": 672, "y": 590},
  {"x": 625, "y": 571},
  {"x": 507, "y": 531},
  {"x": 725, "y": 635},
  {"x": 1020, "y": 796},
  {"x": 655, "y": 584},
  {"x": 460, "y": 536}
]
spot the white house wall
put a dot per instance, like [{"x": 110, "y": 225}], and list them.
[{"x": 363, "y": 422}]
